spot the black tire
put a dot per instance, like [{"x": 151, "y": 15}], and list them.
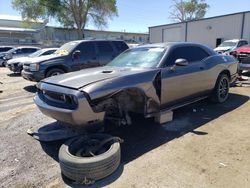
[
  {"x": 54, "y": 72},
  {"x": 221, "y": 89},
  {"x": 4, "y": 64},
  {"x": 93, "y": 168}
]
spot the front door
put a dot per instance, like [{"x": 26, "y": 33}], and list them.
[
  {"x": 87, "y": 57},
  {"x": 183, "y": 82}
]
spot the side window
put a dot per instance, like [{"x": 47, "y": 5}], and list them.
[
  {"x": 29, "y": 50},
  {"x": 240, "y": 44},
  {"x": 87, "y": 50},
  {"x": 48, "y": 52},
  {"x": 192, "y": 54},
  {"x": 25, "y": 50},
  {"x": 18, "y": 51},
  {"x": 104, "y": 47},
  {"x": 120, "y": 46}
]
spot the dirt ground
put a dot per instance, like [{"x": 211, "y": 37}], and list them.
[{"x": 207, "y": 145}]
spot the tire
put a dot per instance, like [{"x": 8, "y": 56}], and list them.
[
  {"x": 221, "y": 89},
  {"x": 79, "y": 168},
  {"x": 54, "y": 72},
  {"x": 4, "y": 64}
]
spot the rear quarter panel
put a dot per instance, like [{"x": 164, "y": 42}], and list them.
[{"x": 217, "y": 64}]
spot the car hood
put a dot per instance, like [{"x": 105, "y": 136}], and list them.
[
  {"x": 226, "y": 48},
  {"x": 18, "y": 60},
  {"x": 86, "y": 77},
  {"x": 45, "y": 58}
]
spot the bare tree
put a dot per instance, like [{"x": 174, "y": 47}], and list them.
[{"x": 188, "y": 10}]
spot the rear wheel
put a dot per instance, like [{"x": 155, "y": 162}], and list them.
[
  {"x": 54, "y": 72},
  {"x": 221, "y": 89}
]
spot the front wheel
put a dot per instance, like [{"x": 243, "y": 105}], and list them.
[
  {"x": 221, "y": 89},
  {"x": 54, "y": 72}
]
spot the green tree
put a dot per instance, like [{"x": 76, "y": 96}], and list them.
[
  {"x": 69, "y": 13},
  {"x": 188, "y": 10}
]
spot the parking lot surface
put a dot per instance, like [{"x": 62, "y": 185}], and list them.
[{"x": 206, "y": 145}]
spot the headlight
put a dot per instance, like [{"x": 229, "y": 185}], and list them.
[{"x": 34, "y": 67}]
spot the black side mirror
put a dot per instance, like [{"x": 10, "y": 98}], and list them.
[
  {"x": 76, "y": 54},
  {"x": 181, "y": 62}
]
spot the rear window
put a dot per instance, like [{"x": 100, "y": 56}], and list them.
[{"x": 120, "y": 46}]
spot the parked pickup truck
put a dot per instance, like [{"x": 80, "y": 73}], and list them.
[
  {"x": 148, "y": 80},
  {"x": 73, "y": 56}
]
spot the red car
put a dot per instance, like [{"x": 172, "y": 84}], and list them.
[{"x": 243, "y": 55}]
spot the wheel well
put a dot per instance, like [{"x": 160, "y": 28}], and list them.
[
  {"x": 56, "y": 67},
  {"x": 131, "y": 99},
  {"x": 227, "y": 73}
]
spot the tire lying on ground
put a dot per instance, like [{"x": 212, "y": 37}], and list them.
[{"x": 80, "y": 162}]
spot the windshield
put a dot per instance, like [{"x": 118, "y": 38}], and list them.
[
  {"x": 36, "y": 54},
  {"x": 228, "y": 44},
  {"x": 139, "y": 57},
  {"x": 66, "y": 48}
]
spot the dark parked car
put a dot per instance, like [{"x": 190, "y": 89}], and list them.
[
  {"x": 4, "y": 49},
  {"x": 16, "y": 64},
  {"x": 21, "y": 51},
  {"x": 73, "y": 56},
  {"x": 148, "y": 80}
]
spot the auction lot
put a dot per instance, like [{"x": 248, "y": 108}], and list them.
[{"x": 207, "y": 145}]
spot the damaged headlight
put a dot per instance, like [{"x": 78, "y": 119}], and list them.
[{"x": 34, "y": 67}]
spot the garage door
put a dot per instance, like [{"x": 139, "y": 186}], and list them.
[{"x": 172, "y": 34}]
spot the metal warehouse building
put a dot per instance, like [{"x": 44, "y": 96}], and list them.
[{"x": 210, "y": 31}]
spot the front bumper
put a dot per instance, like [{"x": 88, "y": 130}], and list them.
[
  {"x": 33, "y": 76},
  {"x": 15, "y": 67},
  {"x": 81, "y": 115}
]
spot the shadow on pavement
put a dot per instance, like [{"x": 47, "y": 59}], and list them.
[
  {"x": 31, "y": 88},
  {"x": 145, "y": 135},
  {"x": 14, "y": 74}
]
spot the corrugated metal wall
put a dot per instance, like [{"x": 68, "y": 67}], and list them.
[{"x": 205, "y": 31}]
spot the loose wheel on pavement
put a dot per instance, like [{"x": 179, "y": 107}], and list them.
[{"x": 89, "y": 158}]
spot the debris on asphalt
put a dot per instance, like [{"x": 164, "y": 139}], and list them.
[
  {"x": 48, "y": 134},
  {"x": 222, "y": 164}
]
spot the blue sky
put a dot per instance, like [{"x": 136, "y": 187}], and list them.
[{"x": 138, "y": 15}]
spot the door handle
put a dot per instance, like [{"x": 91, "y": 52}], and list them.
[{"x": 201, "y": 68}]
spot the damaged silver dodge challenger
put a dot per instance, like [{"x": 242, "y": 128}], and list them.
[{"x": 148, "y": 80}]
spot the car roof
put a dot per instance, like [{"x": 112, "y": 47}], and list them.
[
  {"x": 169, "y": 45},
  {"x": 19, "y": 47},
  {"x": 47, "y": 49},
  {"x": 7, "y": 47},
  {"x": 97, "y": 40},
  {"x": 235, "y": 40}
]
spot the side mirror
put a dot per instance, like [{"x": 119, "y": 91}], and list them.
[
  {"x": 76, "y": 54},
  {"x": 181, "y": 62}
]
